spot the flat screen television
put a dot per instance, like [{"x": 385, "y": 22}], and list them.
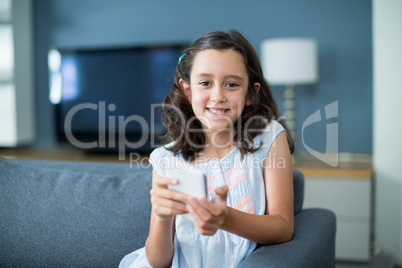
[{"x": 108, "y": 99}]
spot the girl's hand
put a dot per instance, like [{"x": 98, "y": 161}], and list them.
[
  {"x": 167, "y": 203},
  {"x": 209, "y": 216}
]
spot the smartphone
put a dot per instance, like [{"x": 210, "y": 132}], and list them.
[{"x": 191, "y": 182}]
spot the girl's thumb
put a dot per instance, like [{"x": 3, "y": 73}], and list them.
[{"x": 223, "y": 190}]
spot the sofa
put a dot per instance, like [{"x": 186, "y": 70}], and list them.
[{"x": 87, "y": 214}]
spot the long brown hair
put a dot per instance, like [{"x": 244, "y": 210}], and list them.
[{"x": 178, "y": 112}]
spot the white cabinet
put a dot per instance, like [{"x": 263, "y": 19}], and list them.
[
  {"x": 349, "y": 197},
  {"x": 17, "y": 125}
]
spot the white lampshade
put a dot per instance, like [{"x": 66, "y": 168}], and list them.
[
  {"x": 5, "y": 10},
  {"x": 290, "y": 61}
]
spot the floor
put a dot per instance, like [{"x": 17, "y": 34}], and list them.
[{"x": 376, "y": 262}]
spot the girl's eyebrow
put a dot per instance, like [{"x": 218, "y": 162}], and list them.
[{"x": 233, "y": 76}]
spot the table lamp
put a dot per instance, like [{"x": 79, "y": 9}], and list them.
[{"x": 290, "y": 61}]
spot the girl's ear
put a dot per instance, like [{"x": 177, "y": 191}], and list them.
[
  {"x": 186, "y": 89},
  {"x": 257, "y": 87}
]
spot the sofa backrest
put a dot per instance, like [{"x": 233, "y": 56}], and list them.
[
  {"x": 298, "y": 189},
  {"x": 63, "y": 216}
]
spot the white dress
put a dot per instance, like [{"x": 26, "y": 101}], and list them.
[{"x": 244, "y": 178}]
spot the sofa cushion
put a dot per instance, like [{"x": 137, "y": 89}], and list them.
[
  {"x": 46, "y": 213},
  {"x": 298, "y": 189}
]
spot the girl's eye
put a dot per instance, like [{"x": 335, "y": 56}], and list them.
[
  {"x": 231, "y": 84},
  {"x": 205, "y": 83}
]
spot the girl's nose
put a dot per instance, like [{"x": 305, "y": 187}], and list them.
[{"x": 217, "y": 95}]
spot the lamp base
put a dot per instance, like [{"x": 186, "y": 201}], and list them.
[{"x": 289, "y": 108}]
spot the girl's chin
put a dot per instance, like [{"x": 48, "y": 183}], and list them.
[{"x": 218, "y": 127}]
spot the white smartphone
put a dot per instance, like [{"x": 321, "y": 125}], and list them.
[{"x": 191, "y": 181}]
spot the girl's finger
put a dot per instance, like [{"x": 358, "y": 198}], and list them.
[
  {"x": 194, "y": 213},
  {"x": 164, "y": 181},
  {"x": 169, "y": 194},
  {"x": 207, "y": 206},
  {"x": 202, "y": 212},
  {"x": 202, "y": 226},
  {"x": 169, "y": 204},
  {"x": 211, "y": 207},
  {"x": 159, "y": 210}
]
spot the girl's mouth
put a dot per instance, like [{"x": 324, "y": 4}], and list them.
[{"x": 219, "y": 112}]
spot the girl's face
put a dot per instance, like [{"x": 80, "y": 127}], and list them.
[{"x": 218, "y": 88}]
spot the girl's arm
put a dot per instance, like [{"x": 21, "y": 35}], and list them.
[
  {"x": 274, "y": 227},
  {"x": 165, "y": 205}
]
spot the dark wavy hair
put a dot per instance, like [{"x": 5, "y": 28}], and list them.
[{"x": 179, "y": 114}]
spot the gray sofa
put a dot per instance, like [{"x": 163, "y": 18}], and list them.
[{"x": 85, "y": 214}]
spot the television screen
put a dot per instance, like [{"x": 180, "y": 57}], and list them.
[{"x": 107, "y": 99}]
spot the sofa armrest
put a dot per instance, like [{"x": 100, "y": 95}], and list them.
[{"x": 312, "y": 245}]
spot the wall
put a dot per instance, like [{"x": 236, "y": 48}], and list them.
[
  {"x": 387, "y": 43},
  {"x": 342, "y": 29}
]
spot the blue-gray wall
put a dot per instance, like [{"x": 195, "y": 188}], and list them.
[{"x": 342, "y": 29}]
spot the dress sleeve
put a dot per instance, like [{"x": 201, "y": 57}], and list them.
[
  {"x": 268, "y": 136},
  {"x": 158, "y": 159}
]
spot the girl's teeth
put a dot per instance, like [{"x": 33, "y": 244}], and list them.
[{"x": 217, "y": 111}]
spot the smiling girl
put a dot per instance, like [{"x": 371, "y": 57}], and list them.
[{"x": 221, "y": 118}]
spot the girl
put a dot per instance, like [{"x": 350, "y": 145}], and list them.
[{"x": 220, "y": 118}]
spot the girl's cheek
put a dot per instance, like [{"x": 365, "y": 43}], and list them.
[{"x": 201, "y": 98}]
